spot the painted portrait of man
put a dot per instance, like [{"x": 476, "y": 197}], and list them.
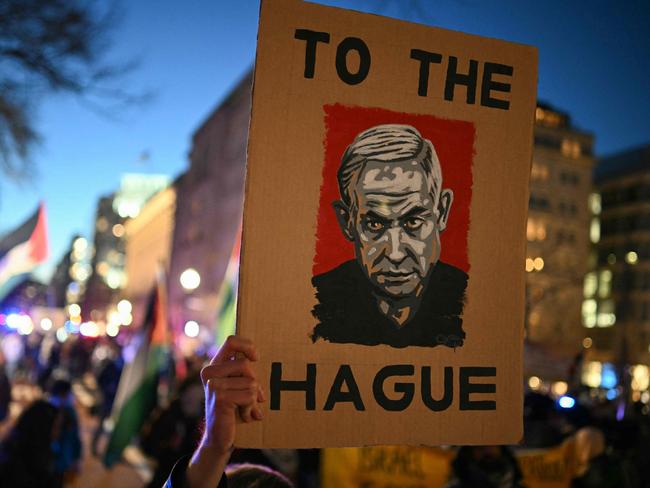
[{"x": 392, "y": 209}]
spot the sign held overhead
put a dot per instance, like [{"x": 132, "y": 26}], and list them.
[{"x": 382, "y": 273}]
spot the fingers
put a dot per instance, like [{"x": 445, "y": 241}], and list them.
[
  {"x": 236, "y": 367},
  {"x": 233, "y": 346}
]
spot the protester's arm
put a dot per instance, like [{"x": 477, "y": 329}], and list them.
[{"x": 231, "y": 395}]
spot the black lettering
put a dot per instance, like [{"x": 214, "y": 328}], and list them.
[
  {"x": 467, "y": 388},
  {"x": 454, "y": 78},
  {"x": 337, "y": 395},
  {"x": 407, "y": 389},
  {"x": 448, "y": 390},
  {"x": 425, "y": 58},
  {"x": 348, "y": 44},
  {"x": 278, "y": 385},
  {"x": 488, "y": 85},
  {"x": 312, "y": 38}
]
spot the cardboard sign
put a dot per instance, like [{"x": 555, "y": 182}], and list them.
[{"x": 382, "y": 273}]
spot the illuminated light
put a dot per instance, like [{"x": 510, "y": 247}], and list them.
[
  {"x": 538, "y": 264},
  {"x": 73, "y": 287},
  {"x": 534, "y": 382},
  {"x": 26, "y": 326},
  {"x": 61, "y": 335},
  {"x": 606, "y": 319},
  {"x": 46, "y": 324},
  {"x": 609, "y": 379},
  {"x": 13, "y": 320},
  {"x": 529, "y": 265},
  {"x": 75, "y": 319},
  {"x": 559, "y": 388},
  {"x": 592, "y": 374},
  {"x": 566, "y": 402},
  {"x": 3, "y": 319},
  {"x": 118, "y": 230},
  {"x": 631, "y": 257},
  {"x": 112, "y": 329},
  {"x": 89, "y": 329},
  {"x": 595, "y": 203},
  {"x": 645, "y": 397},
  {"x": 594, "y": 231},
  {"x": 191, "y": 328},
  {"x": 611, "y": 394},
  {"x": 587, "y": 342},
  {"x": 641, "y": 376},
  {"x": 74, "y": 309},
  {"x": 80, "y": 245},
  {"x": 611, "y": 259},
  {"x": 126, "y": 319},
  {"x": 114, "y": 318},
  {"x": 124, "y": 307},
  {"x": 114, "y": 279},
  {"x": 190, "y": 279}
]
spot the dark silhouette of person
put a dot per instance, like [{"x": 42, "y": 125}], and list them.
[
  {"x": 392, "y": 208},
  {"x": 26, "y": 456}
]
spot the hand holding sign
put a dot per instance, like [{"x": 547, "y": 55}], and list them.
[{"x": 231, "y": 395}]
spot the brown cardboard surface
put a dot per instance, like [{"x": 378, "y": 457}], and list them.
[{"x": 284, "y": 212}]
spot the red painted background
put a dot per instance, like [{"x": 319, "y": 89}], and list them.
[{"x": 454, "y": 144}]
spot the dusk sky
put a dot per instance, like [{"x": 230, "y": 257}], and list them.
[{"x": 592, "y": 63}]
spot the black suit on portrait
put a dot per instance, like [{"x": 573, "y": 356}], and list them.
[{"x": 347, "y": 310}]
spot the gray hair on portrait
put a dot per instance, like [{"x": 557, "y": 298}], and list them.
[{"x": 389, "y": 143}]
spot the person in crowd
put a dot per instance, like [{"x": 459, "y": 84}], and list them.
[
  {"x": 485, "y": 467},
  {"x": 232, "y": 394},
  {"x": 66, "y": 444},
  {"x": 596, "y": 467},
  {"x": 5, "y": 390},
  {"x": 26, "y": 456},
  {"x": 174, "y": 431},
  {"x": 108, "y": 380}
]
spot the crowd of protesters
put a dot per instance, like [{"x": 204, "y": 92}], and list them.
[{"x": 41, "y": 444}]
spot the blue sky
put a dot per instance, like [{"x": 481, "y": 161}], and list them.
[{"x": 592, "y": 63}]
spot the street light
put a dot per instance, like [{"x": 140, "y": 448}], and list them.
[{"x": 190, "y": 279}]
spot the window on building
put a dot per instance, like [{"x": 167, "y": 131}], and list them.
[
  {"x": 606, "y": 316},
  {"x": 539, "y": 203},
  {"x": 589, "y": 308},
  {"x": 595, "y": 204},
  {"x": 571, "y": 148},
  {"x": 594, "y": 230},
  {"x": 605, "y": 284},
  {"x": 535, "y": 230},
  {"x": 539, "y": 172},
  {"x": 590, "y": 284}
]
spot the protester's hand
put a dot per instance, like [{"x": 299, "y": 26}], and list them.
[{"x": 232, "y": 394}]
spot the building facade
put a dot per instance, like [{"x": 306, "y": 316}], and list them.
[
  {"x": 209, "y": 209},
  {"x": 148, "y": 248},
  {"x": 557, "y": 233},
  {"x": 616, "y": 307}
]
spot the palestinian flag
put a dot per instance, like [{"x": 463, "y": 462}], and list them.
[
  {"x": 137, "y": 392},
  {"x": 227, "y": 314},
  {"x": 21, "y": 250}
]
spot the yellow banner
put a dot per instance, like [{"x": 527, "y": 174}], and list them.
[{"x": 424, "y": 467}]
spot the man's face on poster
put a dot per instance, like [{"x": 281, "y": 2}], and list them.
[{"x": 395, "y": 225}]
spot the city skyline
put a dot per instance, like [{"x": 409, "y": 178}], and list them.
[{"x": 590, "y": 66}]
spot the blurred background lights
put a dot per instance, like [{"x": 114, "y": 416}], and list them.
[
  {"x": 191, "y": 328},
  {"x": 534, "y": 382},
  {"x": 89, "y": 329},
  {"x": 26, "y": 325},
  {"x": 61, "y": 335},
  {"x": 559, "y": 388},
  {"x": 74, "y": 310},
  {"x": 126, "y": 319},
  {"x": 190, "y": 279},
  {"x": 566, "y": 402},
  {"x": 124, "y": 307},
  {"x": 112, "y": 329},
  {"x": 631, "y": 257},
  {"x": 587, "y": 342}
]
